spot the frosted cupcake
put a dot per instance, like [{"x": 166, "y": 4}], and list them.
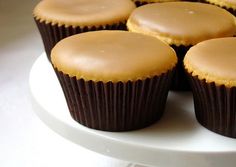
[
  {"x": 114, "y": 80},
  {"x": 212, "y": 72},
  {"x": 184, "y": 25},
  {"x": 57, "y": 19}
]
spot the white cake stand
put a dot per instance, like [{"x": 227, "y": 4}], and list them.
[{"x": 175, "y": 141}]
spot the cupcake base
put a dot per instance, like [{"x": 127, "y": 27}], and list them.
[
  {"x": 51, "y": 34},
  {"x": 180, "y": 80},
  {"x": 116, "y": 106},
  {"x": 215, "y": 106}
]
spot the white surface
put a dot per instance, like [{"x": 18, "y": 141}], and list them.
[
  {"x": 25, "y": 141},
  {"x": 176, "y": 141}
]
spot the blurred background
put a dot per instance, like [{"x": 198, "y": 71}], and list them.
[{"x": 24, "y": 140}]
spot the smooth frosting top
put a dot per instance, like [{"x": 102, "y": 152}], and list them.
[
  {"x": 224, "y": 3},
  {"x": 83, "y": 12},
  {"x": 213, "y": 60},
  {"x": 112, "y": 56},
  {"x": 182, "y": 23}
]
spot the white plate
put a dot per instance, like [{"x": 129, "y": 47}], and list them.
[{"x": 177, "y": 140}]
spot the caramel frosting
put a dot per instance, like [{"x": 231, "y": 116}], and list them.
[
  {"x": 182, "y": 23},
  {"x": 224, "y": 3},
  {"x": 112, "y": 56},
  {"x": 83, "y": 12},
  {"x": 213, "y": 60}
]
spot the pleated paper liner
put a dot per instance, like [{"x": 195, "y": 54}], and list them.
[
  {"x": 51, "y": 34},
  {"x": 231, "y": 10},
  {"x": 140, "y": 3},
  {"x": 215, "y": 106},
  {"x": 180, "y": 79},
  {"x": 116, "y": 106}
]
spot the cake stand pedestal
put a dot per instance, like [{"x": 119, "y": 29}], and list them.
[{"x": 177, "y": 140}]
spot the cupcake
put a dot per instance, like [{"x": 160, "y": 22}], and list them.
[
  {"x": 114, "y": 80},
  {"x": 144, "y": 2},
  {"x": 212, "y": 71},
  {"x": 184, "y": 25},
  {"x": 57, "y": 19},
  {"x": 229, "y": 5}
]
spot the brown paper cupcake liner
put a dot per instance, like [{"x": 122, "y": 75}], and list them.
[
  {"x": 51, "y": 34},
  {"x": 231, "y": 10},
  {"x": 215, "y": 106},
  {"x": 140, "y": 3},
  {"x": 116, "y": 106},
  {"x": 180, "y": 80}
]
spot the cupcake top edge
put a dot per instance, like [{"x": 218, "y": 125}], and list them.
[
  {"x": 224, "y": 3},
  {"x": 213, "y": 60},
  {"x": 113, "y": 56},
  {"x": 83, "y": 12},
  {"x": 182, "y": 23}
]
